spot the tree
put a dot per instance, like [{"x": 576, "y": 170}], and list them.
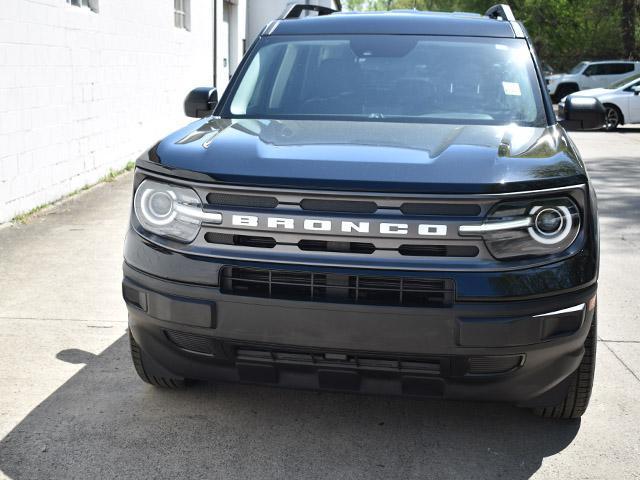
[
  {"x": 563, "y": 32},
  {"x": 628, "y": 26}
]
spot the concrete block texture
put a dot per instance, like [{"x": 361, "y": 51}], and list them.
[{"x": 83, "y": 92}]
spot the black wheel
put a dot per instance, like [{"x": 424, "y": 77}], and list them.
[
  {"x": 577, "y": 400},
  {"x": 149, "y": 371},
  {"x": 613, "y": 117},
  {"x": 564, "y": 90}
]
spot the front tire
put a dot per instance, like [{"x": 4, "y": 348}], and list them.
[
  {"x": 576, "y": 401},
  {"x": 150, "y": 372},
  {"x": 613, "y": 118}
]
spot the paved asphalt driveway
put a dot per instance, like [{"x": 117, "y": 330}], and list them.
[{"x": 72, "y": 407}]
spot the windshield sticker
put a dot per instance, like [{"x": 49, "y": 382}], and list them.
[{"x": 511, "y": 88}]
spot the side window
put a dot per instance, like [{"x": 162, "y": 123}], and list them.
[
  {"x": 593, "y": 70},
  {"x": 621, "y": 68},
  {"x": 612, "y": 68},
  {"x": 182, "y": 14}
]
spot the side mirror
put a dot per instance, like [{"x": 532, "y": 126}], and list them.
[
  {"x": 636, "y": 90},
  {"x": 200, "y": 102},
  {"x": 582, "y": 113}
]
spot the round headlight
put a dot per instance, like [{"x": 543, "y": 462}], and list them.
[
  {"x": 168, "y": 210},
  {"x": 549, "y": 221},
  {"x": 551, "y": 225},
  {"x": 156, "y": 206},
  {"x": 161, "y": 204}
]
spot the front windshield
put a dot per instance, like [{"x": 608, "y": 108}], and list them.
[
  {"x": 623, "y": 82},
  {"x": 578, "y": 68},
  {"x": 390, "y": 78}
]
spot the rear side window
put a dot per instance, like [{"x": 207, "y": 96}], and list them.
[
  {"x": 394, "y": 77},
  {"x": 621, "y": 68},
  {"x": 609, "y": 69}
]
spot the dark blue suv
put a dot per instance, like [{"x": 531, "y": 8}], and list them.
[{"x": 381, "y": 203}]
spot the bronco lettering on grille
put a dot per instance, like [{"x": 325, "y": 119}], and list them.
[{"x": 322, "y": 225}]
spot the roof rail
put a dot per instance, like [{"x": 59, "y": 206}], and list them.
[
  {"x": 295, "y": 11},
  {"x": 501, "y": 12}
]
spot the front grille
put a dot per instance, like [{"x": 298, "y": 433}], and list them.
[
  {"x": 354, "y": 360},
  {"x": 336, "y": 288},
  {"x": 364, "y": 248},
  {"x": 379, "y": 229},
  {"x": 425, "y": 208}
]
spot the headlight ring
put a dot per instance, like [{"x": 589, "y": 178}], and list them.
[
  {"x": 151, "y": 212},
  {"x": 540, "y": 234}
]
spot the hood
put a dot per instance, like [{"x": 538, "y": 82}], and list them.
[
  {"x": 369, "y": 156},
  {"x": 555, "y": 77},
  {"x": 592, "y": 92}
]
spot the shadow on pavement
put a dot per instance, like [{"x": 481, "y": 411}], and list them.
[
  {"x": 105, "y": 423},
  {"x": 616, "y": 181}
]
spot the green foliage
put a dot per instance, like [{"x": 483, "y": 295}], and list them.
[{"x": 564, "y": 32}]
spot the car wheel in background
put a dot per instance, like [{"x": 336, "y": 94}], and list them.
[
  {"x": 565, "y": 89},
  {"x": 613, "y": 117}
]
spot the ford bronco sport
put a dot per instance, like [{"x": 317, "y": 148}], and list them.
[{"x": 380, "y": 203}]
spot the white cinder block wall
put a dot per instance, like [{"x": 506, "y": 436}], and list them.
[
  {"x": 261, "y": 12},
  {"x": 82, "y": 92}
]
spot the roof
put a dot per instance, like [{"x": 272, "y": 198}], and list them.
[
  {"x": 610, "y": 61},
  {"x": 395, "y": 23}
]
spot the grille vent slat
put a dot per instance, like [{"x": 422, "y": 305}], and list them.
[
  {"x": 336, "y": 288},
  {"x": 493, "y": 365},
  {"x": 439, "y": 250},
  {"x": 340, "y": 247},
  {"x": 240, "y": 240},
  {"x": 449, "y": 209},
  {"x": 191, "y": 342},
  {"x": 339, "y": 206},
  {"x": 216, "y": 199}
]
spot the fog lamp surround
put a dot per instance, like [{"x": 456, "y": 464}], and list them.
[
  {"x": 529, "y": 228},
  {"x": 171, "y": 211}
]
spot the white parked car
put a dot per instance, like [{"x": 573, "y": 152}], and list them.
[
  {"x": 589, "y": 75},
  {"x": 621, "y": 99}
]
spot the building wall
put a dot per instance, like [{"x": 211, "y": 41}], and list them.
[
  {"x": 230, "y": 38},
  {"x": 82, "y": 93},
  {"x": 261, "y": 12}
]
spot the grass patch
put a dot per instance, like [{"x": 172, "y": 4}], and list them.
[
  {"x": 109, "y": 177},
  {"x": 113, "y": 174}
]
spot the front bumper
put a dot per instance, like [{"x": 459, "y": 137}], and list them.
[{"x": 485, "y": 350}]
